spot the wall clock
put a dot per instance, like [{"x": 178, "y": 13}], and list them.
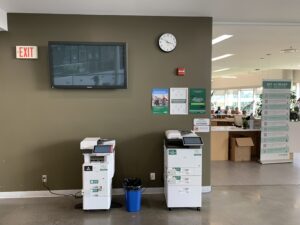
[{"x": 167, "y": 42}]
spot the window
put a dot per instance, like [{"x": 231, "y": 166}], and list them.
[
  {"x": 218, "y": 99},
  {"x": 232, "y": 98},
  {"x": 246, "y": 100}
]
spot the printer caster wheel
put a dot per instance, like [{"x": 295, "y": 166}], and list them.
[
  {"x": 170, "y": 209},
  {"x": 198, "y": 208}
]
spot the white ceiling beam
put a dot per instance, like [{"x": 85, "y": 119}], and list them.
[
  {"x": 220, "y": 23},
  {"x": 3, "y": 20}
]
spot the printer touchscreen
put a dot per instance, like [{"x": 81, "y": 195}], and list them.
[{"x": 192, "y": 141}]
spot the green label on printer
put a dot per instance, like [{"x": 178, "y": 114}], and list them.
[
  {"x": 178, "y": 177},
  {"x": 197, "y": 152},
  {"x": 178, "y": 169},
  {"x": 94, "y": 181},
  {"x": 172, "y": 152}
]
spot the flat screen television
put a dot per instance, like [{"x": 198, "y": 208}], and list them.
[{"x": 88, "y": 65}]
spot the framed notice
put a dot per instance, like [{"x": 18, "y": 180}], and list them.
[
  {"x": 160, "y": 101},
  {"x": 197, "y": 101},
  {"x": 178, "y": 101}
]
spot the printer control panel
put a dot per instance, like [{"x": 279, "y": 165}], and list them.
[
  {"x": 186, "y": 138},
  {"x": 192, "y": 141}
]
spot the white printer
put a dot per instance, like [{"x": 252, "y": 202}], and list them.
[
  {"x": 97, "y": 172},
  {"x": 183, "y": 169}
]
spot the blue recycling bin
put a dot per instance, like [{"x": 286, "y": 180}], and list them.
[
  {"x": 133, "y": 200},
  {"x": 133, "y": 194}
]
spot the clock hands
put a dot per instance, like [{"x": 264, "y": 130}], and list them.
[{"x": 167, "y": 42}]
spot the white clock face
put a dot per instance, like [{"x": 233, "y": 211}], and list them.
[{"x": 167, "y": 42}]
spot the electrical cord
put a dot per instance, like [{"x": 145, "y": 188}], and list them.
[{"x": 66, "y": 195}]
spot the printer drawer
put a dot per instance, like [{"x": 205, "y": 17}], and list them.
[
  {"x": 183, "y": 180},
  {"x": 183, "y": 157},
  {"x": 183, "y": 196},
  {"x": 179, "y": 171}
]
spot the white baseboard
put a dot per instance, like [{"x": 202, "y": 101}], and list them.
[
  {"x": 206, "y": 189},
  {"x": 46, "y": 194},
  {"x": 35, "y": 194}
]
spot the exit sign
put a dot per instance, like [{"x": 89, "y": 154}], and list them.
[{"x": 26, "y": 52}]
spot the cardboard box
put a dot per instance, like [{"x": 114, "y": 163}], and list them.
[{"x": 240, "y": 149}]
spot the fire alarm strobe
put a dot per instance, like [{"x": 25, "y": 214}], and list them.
[{"x": 180, "y": 71}]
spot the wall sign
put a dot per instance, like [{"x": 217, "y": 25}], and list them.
[
  {"x": 160, "y": 101},
  {"x": 179, "y": 101},
  {"x": 275, "y": 121},
  {"x": 197, "y": 101},
  {"x": 26, "y": 52}
]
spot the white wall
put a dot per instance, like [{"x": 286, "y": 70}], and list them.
[
  {"x": 296, "y": 76},
  {"x": 3, "y": 20},
  {"x": 249, "y": 80}
]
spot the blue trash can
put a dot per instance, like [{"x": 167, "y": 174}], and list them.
[{"x": 133, "y": 194}]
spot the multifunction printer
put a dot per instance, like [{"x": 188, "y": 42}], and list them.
[
  {"x": 97, "y": 172},
  {"x": 183, "y": 169}
]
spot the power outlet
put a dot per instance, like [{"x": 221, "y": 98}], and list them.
[
  {"x": 44, "y": 178},
  {"x": 152, "y": 176}
]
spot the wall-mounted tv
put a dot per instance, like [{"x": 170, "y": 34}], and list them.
[{"x": 88, "y": 65}]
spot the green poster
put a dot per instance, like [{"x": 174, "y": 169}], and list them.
[
  {"x": 197, "y": 101},
  {"x": 160, "y": 101}
]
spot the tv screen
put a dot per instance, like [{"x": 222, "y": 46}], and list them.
[{"x": 91, "y": 65}]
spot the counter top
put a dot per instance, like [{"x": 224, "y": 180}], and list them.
[
  {"x": 224, "y": 120},
  {"x": 230, "y": 128}
]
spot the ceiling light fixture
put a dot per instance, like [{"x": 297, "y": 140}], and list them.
[
  {"x": 289, "y": 50},
  {"x": 221, "y": 57},
  {"x": 221, "y": 70},
  {"x": 221, "y": 38}
]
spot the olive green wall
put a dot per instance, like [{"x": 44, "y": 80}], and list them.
[{"x": 41, "y": 128}]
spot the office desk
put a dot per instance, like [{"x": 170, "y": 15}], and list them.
[
  {"x": 222, "y": 122},
  {"x": 220, "y": 141}
]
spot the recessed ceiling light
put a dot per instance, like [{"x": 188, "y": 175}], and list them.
[
  {"x": 220, "y": 70},
  {"x": 221, "y": 57},
  {"x": 221, "y": 38}
]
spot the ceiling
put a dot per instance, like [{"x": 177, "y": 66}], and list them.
[
  {"x": 259, "y": 27},
  {"x": 256, "y": 47}
]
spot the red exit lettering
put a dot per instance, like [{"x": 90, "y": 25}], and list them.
[{"x": 26, "y": 52}]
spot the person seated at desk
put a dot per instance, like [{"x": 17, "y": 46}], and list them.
[
  {"x": 227, "y": 110},
  {"x": 218, "y": 111},
  {"x": 236, "y": 111}
]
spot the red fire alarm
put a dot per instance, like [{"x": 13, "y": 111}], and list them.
[{"x": 180, "y": 71}]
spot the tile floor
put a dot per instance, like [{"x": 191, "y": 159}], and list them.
[
  {"x": 242, "y": 194},
  {"x": 253, "y": 173},
  {"x": 226, "y": 205}
]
